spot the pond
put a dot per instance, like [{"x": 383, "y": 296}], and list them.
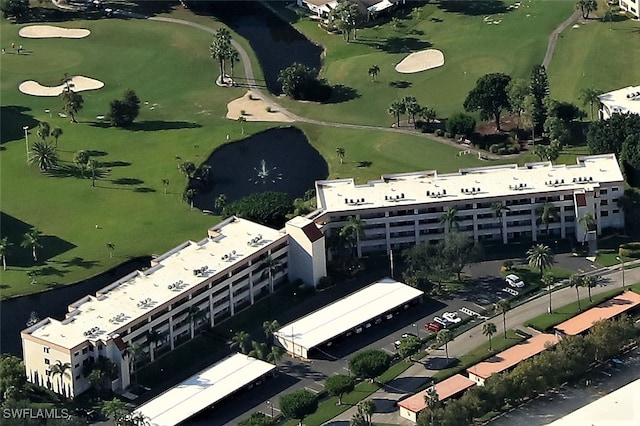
[
  {"x": 276, "y": 43},
  {"x": 14, "y": 313},
  {"x": 279, "y": 160}
]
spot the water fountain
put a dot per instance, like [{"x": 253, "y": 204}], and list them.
[{"x": 264, "y": 172}]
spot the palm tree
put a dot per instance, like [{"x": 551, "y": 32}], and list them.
[
  {"x": 367, "y": 408},
  {"x": 44, "y": 131},
  {"x": 95, "y": 170},
  {"x": 503, "y": 306},
  {"x": 271, "y": 265},
  {"x": 443, "y": 338},
  {"x": 81, "y": 158},
  {"x": 548, "y": 281},
  {"x": 114, "y": 409},
  {"x": 56, "y": 133},
  {"x": 546, "y": 214},
  {"x": 43, "y": 155},
  {"x": 588, "y": 222},
  {"x": 411, "y": 107},
  {"x": 498, "y": 209},
  {"x": 429, "y": 114},
  {"x": 590, "y": 97},
  {"x": 5, "y": 247},
  {"x": 241, "y": 340},
  {"x": 233, "y": 56},
  {"x": 341, "y": 153},
  {"x": 258, "y": 350},
  {"x": 275, "y": 355},
  {"x": 111, "y": 247},
  {"x": 165, "y": 183},
  {"x": 153, "y": 338},
  {"x": 133, "y": 352},
  {"x": 489, "y": 329},
  {"x": 586, "y": 7},
  {"x": 589, "y": 282},
  {"x": 220, "y": 202},
  {"x": 449, "y": 219},
  {"x": 352, "y": 231},
  {"x": 242, "y": 120},
  {"x": 195, "y": 314},
  {"x": 188, "y": 196},
  {"x": 432, "y": 400},
  {"x": 32, "y": 239},
  {"x": 576, "y": 281},
  {"x": 541, "y": 257},
  {"x": 72, "y": 103},
  {"x": 61, "y": 370},
  {"x": 373, "y": 72},
  {"x": 220, "y": 49},
  {"x": 270, "y": 327},
  {"x": 396, "y": 108}
]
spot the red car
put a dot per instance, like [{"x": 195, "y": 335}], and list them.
[{"x": 433, "y": 326}]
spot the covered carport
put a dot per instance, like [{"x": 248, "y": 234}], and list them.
[
  {"x": 204, "y": 389},
  {"x": 350, "y": 313}
]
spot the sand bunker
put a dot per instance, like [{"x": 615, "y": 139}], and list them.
[
  {"x": 77, "y": 83},
  {"x": 254, "y": 110},
  {"x": 421, "y": 61},
  {"x": 48, "y": 31}
]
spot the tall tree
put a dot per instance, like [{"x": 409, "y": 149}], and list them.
[
  {"x": 411, "y": 107},
  {"x": 195, "y": 315},
  {"x": 449, "y": 219},
  {"x": 72, "y": 103},
  {"x": 165, "y": 183},
  {"x": 275, "y": 354},
  {"x": 133, "y": 352},
  {"x": 443, "y": 337},
  {"x": 44, "y": 155},
  {"x": 489, "y": 329},
  {"x": 271, "y": 265},
  {"x": 81, "y": 158},
  {"x": 340, "y": 151},
  {"x": 95, "y": 171},
  {"x": 396, "y": 109},
  {"x": 369, "y": 363},
  {"x": 115, "y": 409},
  {"x": 489, "y": 97},
  {"x": 576, "y": 282},
  {"x": 352, "y": 232},
  {"x": 270, "y": 327},
  {"x": 241, "y": 341},
  {"x": 374, "y": 70},
  {"x": 122, "y": 113},
  {"x": 608, "y": 136},
  {"x": 503, "y": 306},
  {"x": 517, "y": 91},
  {"x": 33, "y": 239},
  {"x": 459, "y": 250},
  {"x": 409, "y": 347},
  {"x": 220, "y": 48},
  {"x": 540, "y": 256},
  {"x": 548, "y": 281},
  {"x": 15, "y": 8},
  {"x": 44, "y": 131},
  {"x": 498, "y": 210},
  {"x": 5, "y": 247},
  {"x": 339, "y": 384},
  {"x": 589, "y": 281},
  {"x": 586, "y": 7},
  {"x": 547, "y": 214},
  {"x": 298, "y": 405},
  {"x": 367, "y": 407},
  {"x": 242, "y": 119},
  {"x": 153, "y": 338},
  {"x": 61, "y": 370},
  {"x": 540, "y": 91},
  {"x": 345, "y": 17},
  {"x": 588, "y": 223},
  {"x": 111, "y": 247},
  {"x": 432, "y": 401},
  {"x": 258, "y": 350},
  {"x": 220, "y": 202},
  {"x": 56, "y": 133},
  {"x": 233, "y": 56}
]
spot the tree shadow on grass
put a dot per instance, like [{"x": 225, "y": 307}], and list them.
[
  {"x": 404, "y": 44},
  {"x": 48, "y": 271},
  {"x": 114, "y": 164},
  {"x": 400, "y": 84},
  {"x": 473, "y": 7},
  {"x": 341, "y": 93},
  {"x": 14, "y": 118},
  {"x": 127, "y": 181},
  {"x": 96, "y": 153},
  {"x": 144, "y": 189},
  {"x": 78, "y": 262},
  {"x": 154, "y": 125}
]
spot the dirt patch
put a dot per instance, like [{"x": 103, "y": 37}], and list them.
[
  {"x": 255, "y": 109},
  {"x": 421, "y": 61},
  {"x": 48, "y": 31},
  {"x": 77, "y": 83}
]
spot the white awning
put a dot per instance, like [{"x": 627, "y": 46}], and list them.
[{"x": 384, "y": 4}]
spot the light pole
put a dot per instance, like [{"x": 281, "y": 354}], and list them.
[
  {"x": 417, "y": 330},
  {"x": 26, "y": 140},
  {"x": 271, "y": 407},
  {"x": 618, "y": 258}
]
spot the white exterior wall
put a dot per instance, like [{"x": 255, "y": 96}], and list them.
[
  {"x": 307, "y": 259},
  {"x": 409, "y": 415},
  {"x": 632, "y": 6}
]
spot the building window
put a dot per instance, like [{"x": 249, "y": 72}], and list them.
[
  {"x": 614, "y": 189},
  {"x": 78, "y": 377},
  {"x": 47, "y": 362},
  {"x": 76, "y": 353},
  {"x": 46, "y": 350},
  {"x": 604, "y": 213},
  {"x": 615, "y": 211},
  {"x": 48, "y": 373},
  {"x": 77, "y": 365},
  {"x": 85, "y": 350},
  {"x": 604, "y": 202}
]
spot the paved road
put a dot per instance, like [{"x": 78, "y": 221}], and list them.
[{"x": 416, "y": 375}]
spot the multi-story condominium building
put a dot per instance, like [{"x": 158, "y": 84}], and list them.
[
  {"x": 621, "y": 101},
  {"x": 401, "y": 210},
  {"x": 194, "y": 285},
  {"x": 631, "y": 6}
]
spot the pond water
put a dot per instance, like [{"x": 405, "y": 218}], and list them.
[
  {"x": 276, "y": 43},
  {"x": 279, "y": 160},
  {"x": 14, "y": 313}
]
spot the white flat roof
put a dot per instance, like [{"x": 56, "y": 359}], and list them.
[
  {"x": 621, "y": 101},
  {"x": 347, "y": 313},
  {"x": 142, "y": 291},
  {"x": 481, "y": 183},
  {"x": 619, "y": 408},
  {"x": 203, "y": 389}
]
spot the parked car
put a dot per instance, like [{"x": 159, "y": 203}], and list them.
[
  {"x": 441, "y": 321},
  {"x": 404, "y": 336},
  {"x": 514, "y": 281},
  {"x": 433, "y": 326},
  {"x": 451, "y": 317}
]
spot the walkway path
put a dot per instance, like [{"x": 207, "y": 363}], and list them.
[
  {"x": 415, "y": 376},
  {"x": 553, "y": 38}
]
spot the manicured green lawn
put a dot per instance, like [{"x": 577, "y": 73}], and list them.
[
  {"x": 595, "y": 55},
  {"x": 471, "y": 48},
  {"x": 545, "y": 321},
  {"x": 480, "y": 353}
]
